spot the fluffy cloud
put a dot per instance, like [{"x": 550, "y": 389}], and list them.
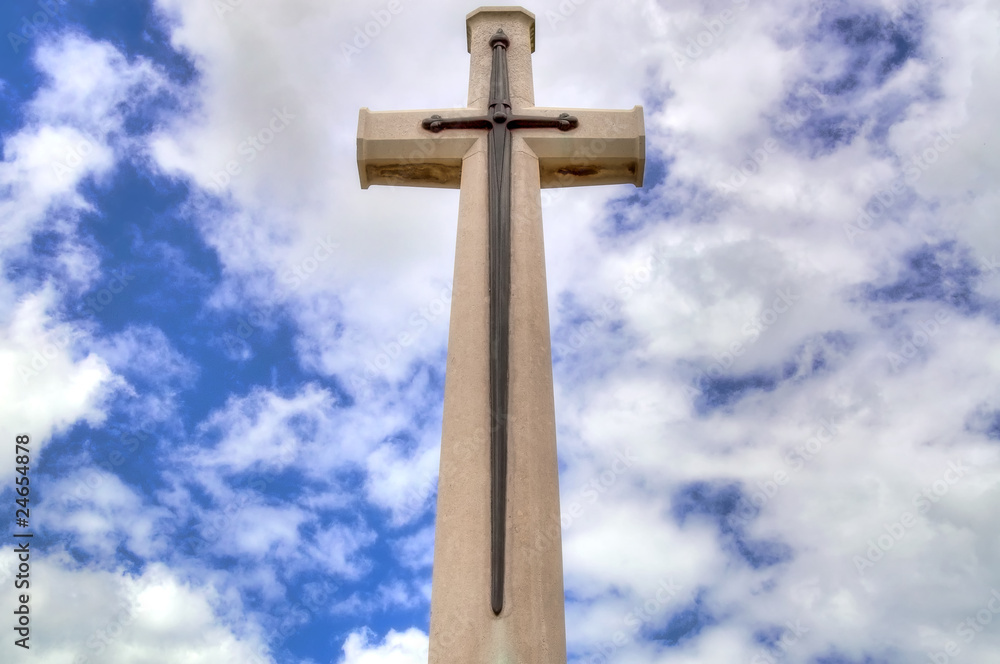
[
  {"x": 53, "y": 375},
  {"x": 50, "y": 380},
  {"x": 115, "y": 617},
  {"x": 101, "y": 513},
  {"x": 267, "y": 430},
  {"x": 409, "y": 647}
]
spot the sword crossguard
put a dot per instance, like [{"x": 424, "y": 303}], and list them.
[{"x": 436, "y": 123}]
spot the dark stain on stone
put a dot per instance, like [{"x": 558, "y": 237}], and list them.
[
  {"x": 579, "y": 171},
  {"x": 417, "y": 173}
]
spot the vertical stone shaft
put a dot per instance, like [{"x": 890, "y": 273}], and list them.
[{"x": 531, "y": 626}]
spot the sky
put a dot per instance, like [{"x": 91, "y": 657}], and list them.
[{"x": 775, "y": 364}]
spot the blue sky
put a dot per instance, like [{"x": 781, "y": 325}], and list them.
[{"x": 791, "y": 334}]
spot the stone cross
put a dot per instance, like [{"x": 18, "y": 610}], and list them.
[{"x": 497, "y": 587}]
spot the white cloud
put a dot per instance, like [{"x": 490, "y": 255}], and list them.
[
  {"x": 409, "y": 647},
  {"x": 310, "y": 432},
  {"x": 48, "y": 381},
  {"x": 387, "y": 596},
  {"x": 53, "y": 375},
  {"x": 336, "y": 549},
  {"x": 156, "y": 371},
  {"x": 73, "y": 130},
  {"x": 91, "y": 84},
  {"x": 260, "y": 530},
  {"x": 417, "y": 550},
  {"x": 405, "y": 484},
  {"x": 111, "y": 617},
  {"x": 102, "y": 513},
  {"x": 148, "y": 352},
  {"x": 264, "y": 430}
]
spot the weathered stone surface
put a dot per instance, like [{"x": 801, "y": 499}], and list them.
[
  {"x": 393, "y": 149},
  {"x": 608, "y": 147}
]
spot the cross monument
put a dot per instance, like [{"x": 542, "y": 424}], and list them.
[{"x": 497, "y": 581}]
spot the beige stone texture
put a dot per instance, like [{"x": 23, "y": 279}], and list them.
[
  {"x": 609, "y": 147},
  {"x": 393, "y": 149},
  {"x": 519, "y": 24}
]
